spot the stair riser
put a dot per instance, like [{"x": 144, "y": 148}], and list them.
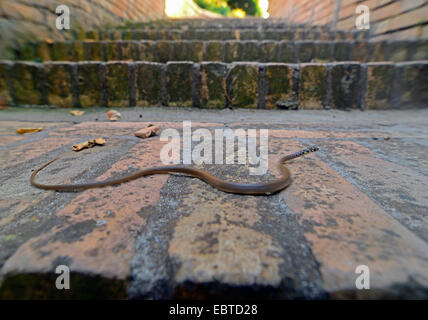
[
  {"x": 216, "y": 85},
  {"x": 228, "y": 51},
  {"x": 223, "y": 34}
]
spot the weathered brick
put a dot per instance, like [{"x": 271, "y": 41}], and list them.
[
  {"x": 287, "y": 52},
  {"x": 113, "y": 51},
  {"x": 380, "y": 77},
  {"x": 59, "y": 83},
  {"x": 378, "y": 51},
  {"x": 78, "y": 52},
  {"x": 232, "y": 51},
  {"x": 250, "y": 51},
  {"x": 213, "y": 51},
  {"x": 312, "y": 86},
  {"x": 243, "y": 89},
  {"x": 43, "y": 50},
  {"x": 61, "y": 51},
  {"x": 95, "y": 50},
  {"x": 268, "y": 51},
  {"x": 305, "y": 51},
  {"x": 360, "y": 51},
  {"x": 414, "y": 84},
  {"x": 250, "y": 35},
  {"x": 342, "y": 51},
  {"x": 5, "y": 97},
  {"x": 117, "y": 84},
  {"x": 398, "y": 50},
  {"x": 89, "y": 83},
  {"x": 26, "y": 83},
  {"x": 129, "y": 50},
  {"x": 148, "y": 83},
  {"x": 213, "y": 84},
  {"x": 127, "y": 35},
  {"x": 346, "y": 85},
  {"x": 163, "y": 51},
  {"x": 146, "y": 50},
  {"x": 279, "y": 84},
  {"x": 322, "y": 51},
  {"x": 179, "y": 83},
  {"x": 421, "y": 50}
]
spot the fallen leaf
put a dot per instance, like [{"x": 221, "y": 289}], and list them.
[
  {"x": 2, "y": 105},
  {"x": 49, "y": 41},
  {"x": 28, "y": 130},
  {"x": 88, "y": 144},
  {"x": 77, "y": 113},
  {"x": 144, "y": 133},
  {"x": 113, "y": 115}
]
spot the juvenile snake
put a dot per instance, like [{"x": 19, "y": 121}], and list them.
[{"x": 238, "y": 188}]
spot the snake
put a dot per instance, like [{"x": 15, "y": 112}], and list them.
[{"x": 230, "y": 187}]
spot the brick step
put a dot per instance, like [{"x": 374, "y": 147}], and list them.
[
  {"x": 227, "y": 51},
  {"x": 216, "y": 85},
  {"x": 222, "y": 34}
]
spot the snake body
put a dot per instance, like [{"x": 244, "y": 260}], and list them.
[{"x": 230, "y": 187}]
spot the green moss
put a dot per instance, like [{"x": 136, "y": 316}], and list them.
[
  {"x": 214, "y": 51},
  {"x": 149, "y": 83},
  {"x": 59, "y": 84},
  {"x": 26, "y": 83},
  {"x": 280, "y": 85},
  {"x": 213, "y": 85},
  {"x": 244, "y": 85},
  {"x": 89, "y": 84},
  {"x": 179, "y": 84},
  {"x": 312, "y": 92},
  {"x": 117, "y": 80}
]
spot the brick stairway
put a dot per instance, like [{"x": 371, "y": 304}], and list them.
[{"x": 206, "y": 63}]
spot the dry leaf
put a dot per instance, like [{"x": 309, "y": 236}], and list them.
[
  {"x": 89, "y": 144},
  {"x": 113, "y": 115},
  {"x": 28, "y": 130},
  {"x": 2, "y": 105},
  {"x": 151, "y": 130},
  {"x": 49, "y": 41},
  {"x": 77, "y": 113}
]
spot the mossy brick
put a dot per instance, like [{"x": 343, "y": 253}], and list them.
[
  {"x": 116, "y": 35},
  {"x": 117, "y": 84},
  {"x": 339, "y": 35},
  {"x": 26, "y": 83},
  {"x": 91, "y": 35},
  {"x": 89, "y": 84},
  {"x": 187, "y": 34},
  {"x": 43, "y": 50},
  {"x": 27, "y": 51},
  {"x": 179, "y": 83},
  {"x": 421, "y": 50},
  {"x": 173, "y": 35},
  {"x": 379, "y": 88},
  {"x": 113, "y": 50},
  {"x": 414, "y": 84},
  {"x": 149, "y": 83},
  {"x": 61, "y": 51},
  {"x": 360, "y": 51},
  {"x": 95, "y": 50},
  {"x": 243, "y": 89},
  {"x": 311, "y": 34},
  {"x": 341, "y": 51},
  {"x": 250, "y": 50},
  {"x": 127, "y": 35},
  {"x": 346, "y": 85},
  {"x": 324, "y": 35},
  {"x": 305, "y": 51},
  {"x": 312, "y": 86},
  {"x": 398, "y": 50},
  {"x": 225, "y": 35},
  {"x": 129, "y": 50},
  {"x": 299, "y": 34},
  {"x": 232, "y": 51},
  {"x": 146, "y": 50},
  {"x": 140, "y": 35},
  {"x": 287, "y": 52},
  {"x": 186, "y": 50},
  {"x": 213, "y": 84},
  {"x": 272, "y": 34},
  {"x": 279, "y": 85},
  {"x": 78, "y": 52},
  {"x": 213, "y": 51},
  {"x": 268, "y": 51},
  {"x": 163, "y": 51},
  {"x": 59, "y": 83},
  {"x": 210, "y": 35},
  {"x": 323, "y": 51},
  {"x": 104, "y": 35},
  {"x": 250, "y": 35},
  {"x": 378, "y": 51},
  {"x": 152, "y": 35},
  {"x": 5, "y": 96}
]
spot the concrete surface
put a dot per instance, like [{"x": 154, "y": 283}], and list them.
[{"x": 360, "y": 200}]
